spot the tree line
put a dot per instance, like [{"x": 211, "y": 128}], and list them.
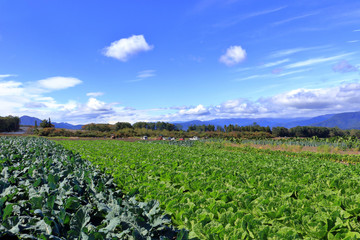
[
  {"x": 9, "y": 124},
  {"x": 126, "y": 129},
  {"x": 308, "y": 131},
  {"x": 123, "y": 125}
]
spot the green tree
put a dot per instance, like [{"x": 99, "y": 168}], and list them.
[
  {"x": 122, "y": 125},
  {"x": 46, "y": 124}
]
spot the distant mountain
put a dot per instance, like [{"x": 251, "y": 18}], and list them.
[
  {"x": 342, "y": 120},
  {"x": 271, "y": 122},
  {"x": 350, "y": 120},
  {"x": 186, "y": 125},
  {"x": 307, "y": 122},
  {"x": 67, "y": 126},
  {"x": 26, "y": 120}
]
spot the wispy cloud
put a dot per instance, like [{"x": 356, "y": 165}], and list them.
[
  {"x": 124, "y": 48},
  {"x": 294, "y": 18},
  {"x": 146, "y": 74},
  {"x": 275, "y": 73},
  {"x": 353, "y": 41},
  {"x": 251, "y": 77},
  {"x": 294, "y": 72},
  {"x": 286, "y": 52},
  {"x": 235, "y": 20},
  {"x": 313, "y": 61},
  {"x": 264, "y": 12},
  {"x": 2, "y": 76},
  {"x": 356, "y": 30},
  {"x": 94, "y": 94},
  {"x": 272, "y": 64},
  {"x": 143, "y": 75}
]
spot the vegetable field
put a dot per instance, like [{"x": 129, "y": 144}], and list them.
[
  {"x": 236, "y": 193},
  {"x": 47, "y": 192}
]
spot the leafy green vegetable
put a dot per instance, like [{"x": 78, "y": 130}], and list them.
[
  {"x": 222, "y": 192},
  {"x": 66, "y": 197}
]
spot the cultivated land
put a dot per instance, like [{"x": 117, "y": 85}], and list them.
[
  {"x": 48, "y": 192},
  {"x": 224, "y": 192}
]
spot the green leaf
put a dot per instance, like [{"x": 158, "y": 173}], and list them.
[
  {"x": 7, "y": 211},
  {"x": 51, "y": 201},
  {"x": 182, "y": 235},
  {"x": 78, "y": 222},
  {"x": 36, "y": 202},
  {"x": 72, "y": 203},
  {"x": 51, "y": 181}
]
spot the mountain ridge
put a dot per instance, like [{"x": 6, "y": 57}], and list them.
[
  {"x": 346, "y": 120},
  {"x": 27, "y": 120}
]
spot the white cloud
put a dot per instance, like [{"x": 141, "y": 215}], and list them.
[
  {"x": 29, "y": 99},
  {"x": 124, "y": 48},
  {"x": 11, "y": 88},
  {"x": 95, "y": 104},
  {"x": 58, "y": 83},
  {"x": 93, "y": 110},
  {"x": 353, "y": 41},
  {"x": 233, "y": 55},
  {"x": 94, "y": 94},
  {"x": 356, "y": 30},
  {"x": 343, "y": 98},
  {"x": 303, "y": 99},
  {"x": 198, "y": 110},
  {"x": 313, "y": 61},
  {"x": 237, "y": 107},
  {"x": 295, "y": 103},
  {"x": 71, "y": 105},
  {"x": 16, "y": 99}
]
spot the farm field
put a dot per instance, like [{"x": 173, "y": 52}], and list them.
[
  {"x": 47, "y": 192},
  {"x": 219, "y": 192}
]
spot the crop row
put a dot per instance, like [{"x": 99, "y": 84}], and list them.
[
  {"x": 341, "y": 143},
  {"x": 240, "y": 194},
  {"x": 48, "y": 192}
]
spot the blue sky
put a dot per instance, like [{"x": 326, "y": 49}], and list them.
[{"x": 110, "y": 61}]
